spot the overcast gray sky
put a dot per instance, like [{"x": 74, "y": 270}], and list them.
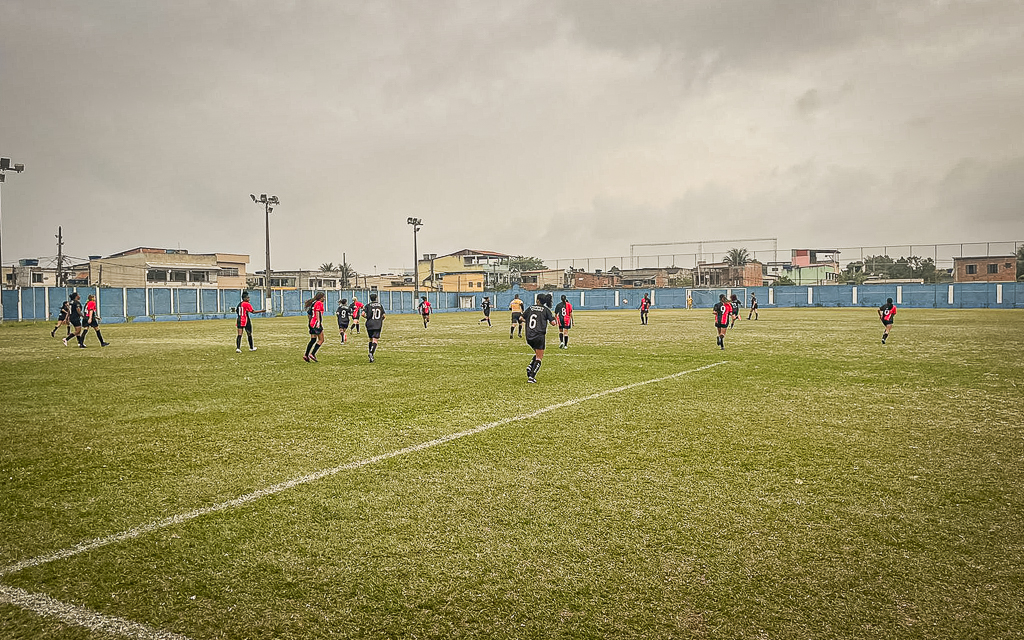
[{"x": 555, "y": 128}]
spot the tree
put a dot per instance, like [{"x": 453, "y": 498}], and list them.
[
  {"x": 783, "y": 281},
  {"x": 347, "y": 273},
  {"x": 327, "y": 266},
  {"x": 737, "y": 257},
  {"x": 525, "y": 263}
]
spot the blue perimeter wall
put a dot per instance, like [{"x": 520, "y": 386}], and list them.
[{"x": 156, "y": 304}]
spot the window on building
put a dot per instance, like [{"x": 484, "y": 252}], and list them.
[
  {"x": 179, "y": 276},
  {"x": 156, "y": 275},
  {"x": 993, "y": 268},
  {"x": 972, "y": 269},
  {"x": 9, "y": 278},
  {"x": 229, "y": 271},
  {"x": 37, "y": 278},
  {"x": 198, "y": 276}
]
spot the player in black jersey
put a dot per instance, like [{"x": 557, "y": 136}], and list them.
[
  {"x": 75, "y": 318},
  {"x": 486, "y": 307},
  {"x": 753, "y": 307},
  {"x": 343, "y": 313},
  {"x": 374, "y": 315},
  {"x": 62, "y": 319},
  {"x": 538, "y": 317}
]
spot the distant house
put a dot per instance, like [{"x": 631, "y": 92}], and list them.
[
  {"x": 722, "y": 274},
  {"x": 596, "y": 280},
  {"x": 538, "y": 279},
  {"x": 148, "y": 266},
  {"x": 647, "y": 278},
  {"x": 985, "y": 269}
]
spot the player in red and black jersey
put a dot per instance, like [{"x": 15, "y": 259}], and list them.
[
  {"x": 538, "y": 317},
  {"x": 244, "y": 322},
  {"x": 887, "y": 314},
  {"x": 424, "y": 310},
  {"x": 315, "y": 311},
  {"x": 355, "y": 311},
  {"x": 374, "y": 314},
  {"x": 62, "y": 319},
  {"x": 92, "y": 319},
  {"x": 645, "y": 306},
  {"x": 344, "y": 314},
  {"x": 722, "y": 310},
  {"x": 563, "y": 312}
]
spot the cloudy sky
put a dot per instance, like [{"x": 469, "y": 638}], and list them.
[{"x": 554, "y": 128}]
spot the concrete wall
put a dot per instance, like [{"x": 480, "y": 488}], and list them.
[{"x": 161, "y": 303}]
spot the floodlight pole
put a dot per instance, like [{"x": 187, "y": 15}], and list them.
[
  {"x": 416, "y": 224},
  {"x": 5, "y": 166},
  {"x": 268, "y": 203}
]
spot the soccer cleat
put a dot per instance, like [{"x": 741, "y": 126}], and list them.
[
  {"x": 253, "y": 348},
  {"x": 104, "y": 344},
  {"x": 312, "y": 358},
  {"x": 65, "y": 341},
  {"x": 532, "y": 380},
  {"x": 53, "y": 333},
  {"x": 81, "y": 346},
  {"x": 306, "y": 358},
  {"x": 371, "y": 357},
  {"x": 238, "y": 351}
]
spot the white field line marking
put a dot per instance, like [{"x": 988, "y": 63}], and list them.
[
  {"x": 79, "y": 616},
  {"x": 318, "y": 475}
]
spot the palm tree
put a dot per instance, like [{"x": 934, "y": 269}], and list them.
[
  {"x": 737, "y": 257},
  {"x": 327, "y": 266},
  {"x": 347, "y": 273}
]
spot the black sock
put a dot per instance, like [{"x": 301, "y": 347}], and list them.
[
  {"x": 100, "y": 336},
  {"x": 81, "y": 338},
  {"x": 309, "y": 346},
  {"x": 567, "y": 340},
  {"x": 238, "y": 342},
  {"x": 249, "y": 336},
  {"x": 373, "y": 347},
  {"x": 532, "y": 367},
  {"x": 536, "y": 368},
  {"x": 316, "y": 347}
]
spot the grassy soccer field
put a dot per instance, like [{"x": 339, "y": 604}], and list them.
[{"x": 807, "y": 482}]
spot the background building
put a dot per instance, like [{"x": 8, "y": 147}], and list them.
[
  {"x": 147, "y": 266},
  {"x": 985, "y": 269}
]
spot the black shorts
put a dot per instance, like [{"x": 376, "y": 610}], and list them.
[
  {"x": 487, "y": 312},
  {"x": 62, "y": 317},
  {"x": 722, "y": 326},
  {"x": 373, "y": 333},
  {"x": 536, "y": 343},
  {"x": 315, "y": 331},
  {"x": 564, "y": 325},
  {"x": 247, "y": 326},
  {"x": 887, "y": 323},
  {"x": 94, "y": 323},
  {"x": 426, "y": 316},
  {"x": 343, "y": 325},
  {"x": 517, "y": 317},
  {"x": 76, "y": 322}
]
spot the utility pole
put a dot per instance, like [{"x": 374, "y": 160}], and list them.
[
  {"x": 60, "y": 257},
  {"x": 5, "y": 166},
  {"x": 344, "y": 271},
  {"x": 268, "y": 205},
  {"x": 416, "y": 224}
]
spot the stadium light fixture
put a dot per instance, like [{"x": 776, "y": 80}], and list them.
[
  {"x": 416, "y": 224},
  {"x": 5, "y": 166},
  {"x": 268, "y": 202}
]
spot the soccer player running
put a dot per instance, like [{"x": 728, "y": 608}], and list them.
[
  {"x": 92, "y": 319},
  {"x": 344, "y": 314},
  {"x": 516, "y": 307},
  {"x": 244, "y": 322},
  {"x": 315, "y": 311},
  {"x": 563, "y": 312},
  {"x": 62, "y": 319},
  {"x": 538, "y": 317},
  {"x": 734, "y": 303},
  {"x": 75, "y": 318},
  {"x": 355, "y": 310},
  {"x": 887, "y": 313},
  {"x": 424, "y": 307},
  {"x": 374, "y": 314},
  {"x": 753, "y": 307},
  {"x": 645, "y": 306},
  {"x": 722, "y": 311},
  {"x": 486, "y": 306}
]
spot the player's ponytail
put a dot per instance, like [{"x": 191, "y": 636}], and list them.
[{"x": 309, "y": 303}]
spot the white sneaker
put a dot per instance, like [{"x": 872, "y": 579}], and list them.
[
  {"x": 253, "y": 348},
  {"x": 238, "y": 351}
]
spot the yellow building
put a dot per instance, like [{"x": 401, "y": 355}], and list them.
[{"x": 465, "y": 270}]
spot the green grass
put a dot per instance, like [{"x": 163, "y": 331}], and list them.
[{"x": 817, "y": 485}]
